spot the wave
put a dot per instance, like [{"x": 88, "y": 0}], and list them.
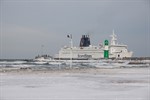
[{"x": 49, "y": 65}]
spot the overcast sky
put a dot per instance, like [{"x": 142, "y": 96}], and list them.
[{"x": 26, "y": 25}]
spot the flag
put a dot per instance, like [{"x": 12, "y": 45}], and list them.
[{"x": 69, "y": 36}]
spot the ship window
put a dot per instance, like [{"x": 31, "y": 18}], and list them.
[{"x": 113, "y": 50}]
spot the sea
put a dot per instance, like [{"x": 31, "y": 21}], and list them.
[{"x": 55, "y": 65}]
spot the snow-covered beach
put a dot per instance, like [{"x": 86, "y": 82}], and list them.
[{"x": 76, "y": 84}]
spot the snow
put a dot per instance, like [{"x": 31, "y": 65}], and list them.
[{"x": 89, "y": 84}]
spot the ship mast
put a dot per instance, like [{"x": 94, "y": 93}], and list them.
[
  {"x": 113, "y": 38},
  {"x": 71, "y": 46}
]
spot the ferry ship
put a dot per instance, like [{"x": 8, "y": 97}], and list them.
[{"x": 88, "y": 51}]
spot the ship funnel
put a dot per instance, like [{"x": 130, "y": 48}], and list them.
[{"x": 85, "y": 41}]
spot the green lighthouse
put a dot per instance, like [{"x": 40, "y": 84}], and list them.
[{"x": 106, "y": 50}]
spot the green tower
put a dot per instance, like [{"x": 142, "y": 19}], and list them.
[{"x": 106, "y": 50}]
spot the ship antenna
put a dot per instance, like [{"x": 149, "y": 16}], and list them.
[
  {"x": 71, "y": 46},
  {"x": 42, "y": 46},
  {"x": 113, "y": 38},
  {"x": 113, "y": 32}
]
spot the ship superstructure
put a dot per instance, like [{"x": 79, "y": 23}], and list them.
[
  {"x": 118, "y": 50},
  {"x": 88, "y": 51}
]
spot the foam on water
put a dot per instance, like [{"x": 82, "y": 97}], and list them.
[{"x": 79, "y": 64}]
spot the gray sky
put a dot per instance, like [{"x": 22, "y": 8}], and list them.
[{"x": 28, "y": 24}]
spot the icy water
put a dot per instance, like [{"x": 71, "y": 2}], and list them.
[
  {"x": 66, "y": 64},
  {"x": 39, "y": 65},
  {"x": 27, "y": 80},
  {"x": 22, "y": 64}
]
